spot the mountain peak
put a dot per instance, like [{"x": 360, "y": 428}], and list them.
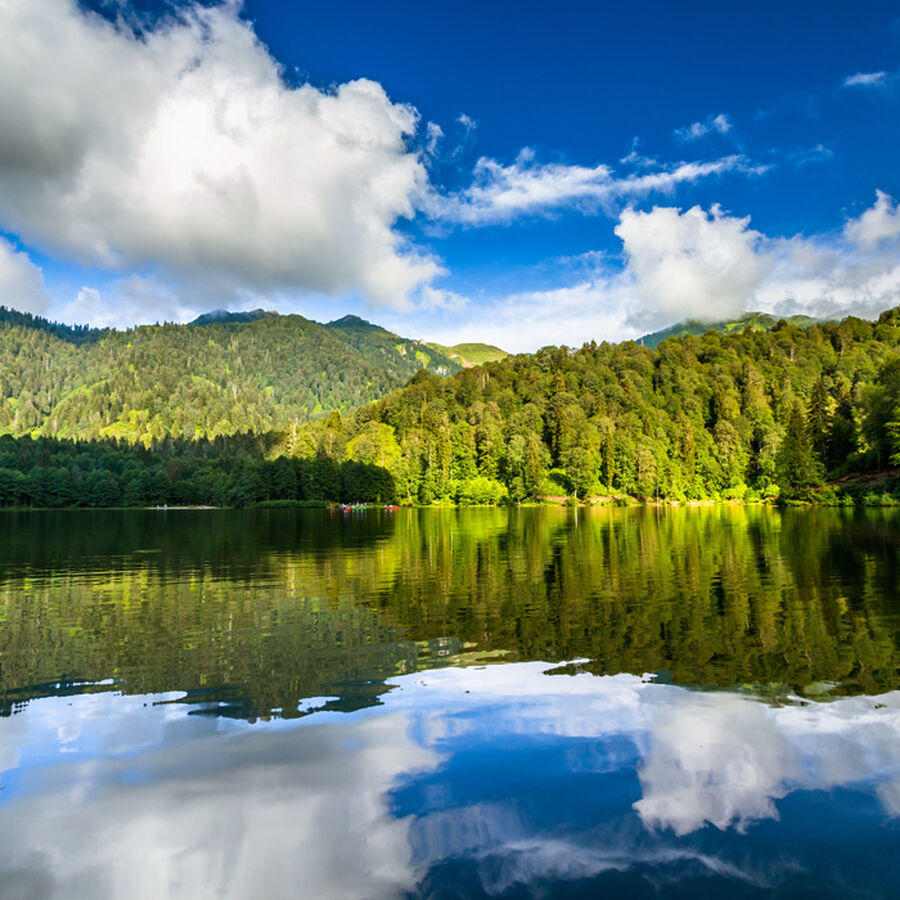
[
  {"x": 223, "y": 315},
  {"x": 351, "y": 321}
]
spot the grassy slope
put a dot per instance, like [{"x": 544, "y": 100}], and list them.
[{"x": 468, "y": 355}]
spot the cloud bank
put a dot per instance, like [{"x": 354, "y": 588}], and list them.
[
  {"x": 184, "y": 149},
  {"x": 707, "y": 265}
]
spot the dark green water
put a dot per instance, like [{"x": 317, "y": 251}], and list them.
[{"x": 555, "y": 703}]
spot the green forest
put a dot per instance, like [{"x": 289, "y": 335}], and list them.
[
  {"x": 221, "y": 375},
  {"x": 225, "y": 413},
  {"x": 750, "y": 416}
]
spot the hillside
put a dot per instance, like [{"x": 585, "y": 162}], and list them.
[
  {"x": 399, "y": 356},
  {"x": 219, "y": 375},
  {"x": 469, "y": 355},
  {"x": 757, "y": 413},
  {"x": 751, "y": 321},
  {"x": 743, "y": 416}
]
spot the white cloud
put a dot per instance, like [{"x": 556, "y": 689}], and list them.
[
  {"x": 500, "y": 193},
  {"x": 21, "y": 281},
  {"x": 691, "y": 264},
  {"x": 185, "y": 149},
  {"x": 695, "y": 264},
  {"x": 815, "y": 154},
  {"x": 719, "y": 124},
  {"x": 433, "y": 134},
  {"x": 634, "y": 158},
  {"x": 593, "y": 308},
  {"x": 879, "y": 223},
  {"x": 866, "y": 79},
  {"x": 434, "y": 298},
  {"x": 136, "y": 298}
]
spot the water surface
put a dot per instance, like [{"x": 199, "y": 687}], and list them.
[{"x": 484, "y": 703}]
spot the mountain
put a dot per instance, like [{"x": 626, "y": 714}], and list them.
[
  {"x": 753, "y": 321},
  {"x": 743, "y": 416},
  {"x": 469, "y": 355},
  {"x": 397, "y": 355},
  {"x": 223, "y": 315},
  {"x": 221, "y": 374},
  {"x": 752, "y": 414}
]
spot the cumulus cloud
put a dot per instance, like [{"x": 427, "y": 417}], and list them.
[
  {"x": 185, "y": 149},
  {"x": 866, "y": 79},
  {"x": 717, "y": 124},
  {"x": 21, "y": 281},
  {"x": 679, "y": 264},
  {"x": 879, "y": 223},
  {"x": 691, "y": 263},
  {"x": 527, "y": 187}
]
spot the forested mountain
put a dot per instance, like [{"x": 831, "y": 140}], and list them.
[
  {"x": 399, "y": 356},
  {"x": 752, "y": 321},
  {"x": 754, "y": 414},
  {"x": 224, "y": 373}
]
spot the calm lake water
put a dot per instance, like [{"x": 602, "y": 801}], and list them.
[{"x": 475, "y": 703}]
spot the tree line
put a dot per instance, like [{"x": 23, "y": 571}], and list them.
[
  {"x": 749, "y": 416},
  {"x": 194, "y": 381}
]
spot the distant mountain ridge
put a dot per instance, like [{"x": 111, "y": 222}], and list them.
[
  {"x": 223, "y": 315},
  {"x": 221, "y": 374},
  {"x": 755, "y": 321}
]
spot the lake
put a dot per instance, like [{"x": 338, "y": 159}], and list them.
[{"x": 550, "y": 703}]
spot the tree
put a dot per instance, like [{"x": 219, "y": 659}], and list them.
[{"x": 798, "y": 472}]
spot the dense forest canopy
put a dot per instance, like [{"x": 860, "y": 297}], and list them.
[
  {"x": 180, "y": 417},
  {"x": 220, "y": 375},
  {"x": 748, "y": 415}
]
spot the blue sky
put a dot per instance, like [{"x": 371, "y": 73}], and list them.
[{"x": 518, "y": 173}]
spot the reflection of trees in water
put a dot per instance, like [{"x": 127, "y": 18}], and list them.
[
  {"x": 258, "y": 610},
  {"x": 717, "y": 596}
]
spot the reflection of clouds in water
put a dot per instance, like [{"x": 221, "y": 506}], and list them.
[
  {"x": 271, "y": 812},
  {"x": 717, "y": 758},
  {"x": 507, "y": 851},
  {"x": 708, "y": 757},
  {"x": 104, "y": 796},
  {"x": 724, "y": 759}
]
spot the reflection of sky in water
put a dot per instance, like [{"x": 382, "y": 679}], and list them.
[{"x": 464, "y": 782}]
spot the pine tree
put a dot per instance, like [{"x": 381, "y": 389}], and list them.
[{"x": 797, "y": 470}]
